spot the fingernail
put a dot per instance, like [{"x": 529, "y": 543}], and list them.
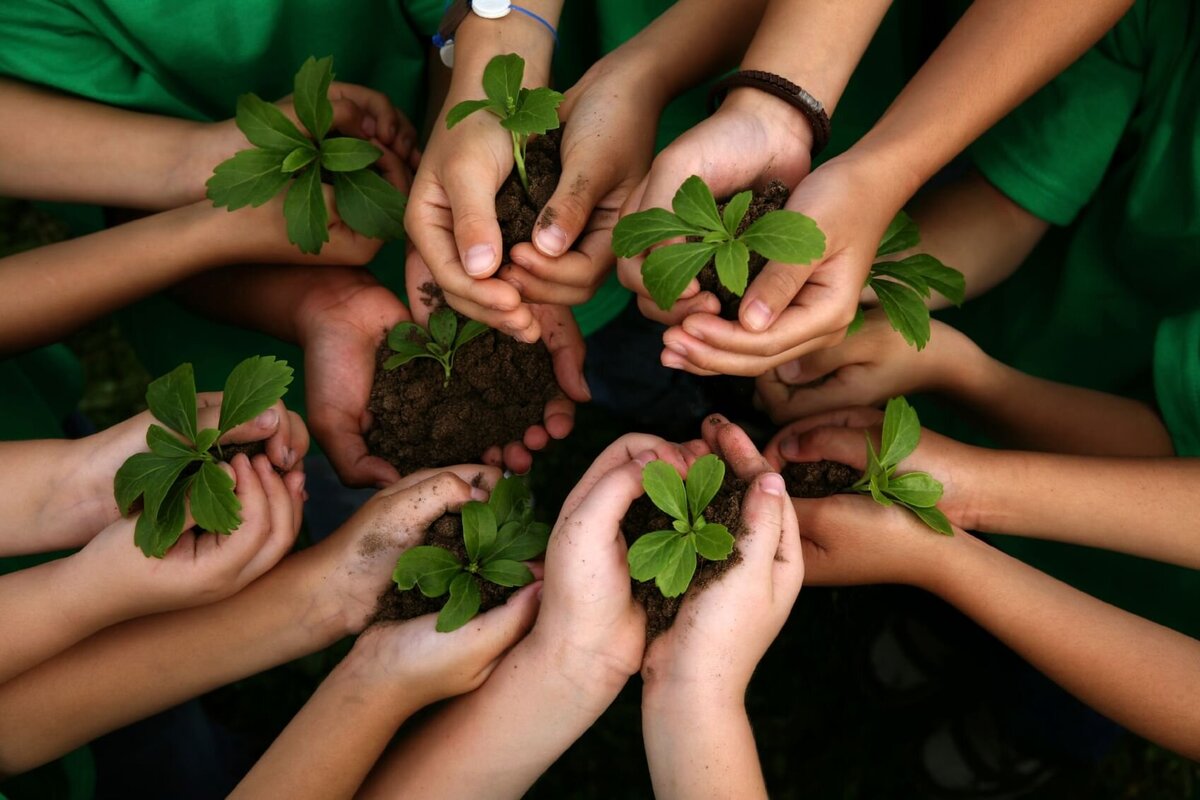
[
  {"x": 519, "y": 260},
  {"x": 551, "y": 240},
  {"x": 672, "y": 361},
  {"x": 789, "y": 371},
  {"x": 587, "y": 390},
  {"x": 478, "y": 494},
  {"x": 480, "y": 259},
  {"x": 645, "y": 457},
  {"x": 715, "y": 419},
  {"x": 772, "y": 483},
  {"x": 267, "y": 419},
  {"x": 676, "y": 347},
  {"x": 758, "y": 316}
]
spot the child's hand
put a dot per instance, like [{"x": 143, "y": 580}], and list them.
[
  {"x": 869, "y": 367},
  {"x": 841, "y": 436},
  {"x": 425, "y": 666},
  {"x": 722, "y": 632},
  {"x": 851, "y": 540},
  {"x": 202, "y": 568}
]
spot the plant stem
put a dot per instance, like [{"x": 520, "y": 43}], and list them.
[{"x": 519, "y": 158}]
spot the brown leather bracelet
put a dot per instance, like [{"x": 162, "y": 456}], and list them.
[{"x": 786, "y": 91}]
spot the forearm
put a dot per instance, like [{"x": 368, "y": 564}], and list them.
[
  {"x": 496, "y": 741},
  {"x": 135, "y": 669},
  {"x": 51, "y": 291},
  {"x": 478, "y": 40},
  {"x": 998, "y": 54},
  {"x": 332, "y": 743},
  {"x": 700, "y": 747},
  {"x": 1139, "y": 674},
  {"x": 1141, "y": 506},
  {"x": 61, "y": 148}
]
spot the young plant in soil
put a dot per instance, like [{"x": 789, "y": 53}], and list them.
[
  {"x": 283, "y": 156},
  {"x": 713, "y": 236},
  {"x": 440, "y": 342},
  {"x": 919, "y": 492},
  {"x": 669, "y": 557},
  {"x": 495, "y": 538},
  {"x": 182, "y": 467},
  {"x": 524, "y": 113}
]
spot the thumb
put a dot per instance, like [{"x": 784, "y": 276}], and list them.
[
  {"x": 564, "y": 340},
  {"x": 580, "y": 189},
  {"x": 763, "y": 512},
  {"x": 495, "y": 631},
  {"x": 770, "y": 293}
]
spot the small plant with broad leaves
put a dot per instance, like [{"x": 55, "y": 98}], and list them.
[
  {"x": 282, "y": 157},
  {"x": 669, "y": 557},
  {"x": 498, "y": 535},
  {"x": 903, "y": 285},
  {"x": 181, "y": 468},
  {"x": 441, "y": 341},
  {"x": 780, "y": 235},
  {"x": 522, "y": 112},
  {"x": 919, "y": 492}
]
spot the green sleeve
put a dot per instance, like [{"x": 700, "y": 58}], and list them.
[
  {"x": 1050, "y": 154},
  {"x": 1177, "y": 380}
]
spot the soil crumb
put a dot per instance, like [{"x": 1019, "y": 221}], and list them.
[{"x": 818, "y": 478}]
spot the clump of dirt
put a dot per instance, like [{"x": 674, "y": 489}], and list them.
[
  {"x": 644, "y": 517},
  {"x": 818, "y": 478},
  {"x": 251, "y": 449},
  {"x": 445, "y": 532},
  {"x": 770, "y": 199},
  {"x": 498, "y": 388},
  {"x": 516, "y": 209}
]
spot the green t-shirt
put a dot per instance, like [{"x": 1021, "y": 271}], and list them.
[
  {"x": 1108, "y": 151},
  {"x": 1177, "y": 380}
]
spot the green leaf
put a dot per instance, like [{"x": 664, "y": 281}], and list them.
[
  {"x": 681, "y": 566},
  {"x": 636, "y": 232},
  {"x": 537, "y": 112},
  {"x": 502, "y": 79},
  {"x": 901, "y": 234},
  {"x": 162, "y": 443},
  {"x": 517, "y": 542},
  {"x": 785, "y": 236},
  {"x": 267, "y": 127},
  {"x": 890, "y": 269},
  {"x": 735, "y": 211},
  {"x": 298, "y": 159},
  {"x": 504, "y": 572},
  {"x": 915, "y": 490},
  {"x": 172, "y": 400},
  {"x": 905, "y": 311},
  {"x": 462, "y": 605},
  {"x": 400, "y": 359},
  {"x": 479, "y": 530},
  {"x": 944, "y": 280},
  {"x": 470, "y": 330},
  {"x": 431, "y": 568},
  {"x": 250, "y": 178},
  {"x": 714, "y": 542},
  {"x": 206, "y": 438},
  {"x": 156, "y": 534},
  {"x": 667, "y": 271},
  {"x": 369, "y": 204},
  {"x": 508, "y": 498},
  {"x": 733, "y": 266},
  {"x": 307, "y": 216},
  {"x": 252, "y": 387},
  {"x": 346, "y": 154},
  {"x": 465, "y": 109},
  {"x": 856, "y": 323},
  {"x": 703, "y": 482},
  {"x": 149, "y": 476},
  {"x": 311, "y": 98},
  {"x": 694, "y": 204},
  {"x": 935, "y": 519},
  {"x": 405, "y": 334},
  {"x": 901, "y": 432},
  {"x": 649, "y": 555},
  {"x": 214, "y": 505},
  {"x": 877, "y": 491},
  {"x": 665, "y": 488},
  {"x": 443, "y": 324}
]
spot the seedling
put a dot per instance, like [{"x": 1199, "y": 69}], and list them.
[
  {"x": 780, "y": 235},
  {"x": 919, "y": 492},
  {"x": 498, "y": 535},
  {"x": 669, "y": 557},
  {"x": 903, "y": 285},
  {"x": 443, "y": 339},
  {"x": 285, "y": 157},
  {"x": 182, "y": 467},
  {"x": 522, "y": 112}
]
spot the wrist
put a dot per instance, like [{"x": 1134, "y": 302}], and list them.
[
  {"x": 584, "y": 680},
  {"x": 777, "y": 115},
  {"x": 199, "y": 151},
  {"x": 681, "y": 698},
  {"x": 478, "y": 40}
]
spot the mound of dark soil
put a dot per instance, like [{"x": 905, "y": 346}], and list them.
[
  {"x": 517, "y": 209},
  {"x": 770, "y": 199},
  {"x": 818, "y": 478}
]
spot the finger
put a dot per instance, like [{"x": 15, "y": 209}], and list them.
[
  {"x": 282, "y": 529},
  {"x": 476, "y": 229},
  {"x": 537, "y": 290},
  {"x": 559, "y": 417},
  {"x": 734, "y": 447},
  {"x": 298, "y": 438},
  {"x": 521, "y": 323},
  {"x": 378, "y": 109},
  {"x": 341, "y": 435},
  {"x": 582, "y": 270},
  {"x": 517, "y": 458},
  {"x": 762, "y": 521},
  {"x": 770, "y": 293},
  {"x": 602, "y": 508},
  {"x": 792, "y": 336},
  {"x": 395, "y": 170},
  {"x": 348, "y": 118},
  {"x": 698, "y": 303},
  {"x": 494, "y": 456},
  {"x": 849, "y": 386},
  {"x": 846, "y": 445},
  {"x": 567, "y": 348},
  {"x": 788, "y": 564},
  {"x": 569, "y": 209},
  {"x": 713, "y": 358},
  {"x": 480, "y": 477},
  {"x": 256, "y": 512},
  {"x": 407, "y": 515},
  {"x": 294, "y": 481},
  {"x": 498, "y": 629},
  {"x": 535, "y": 438},
  {"x": 256, "y": 430},
  {"x": 405, "y": 143},
  {"x": 857, "y": 418},
  {"x": 641, "y": 447},
  {"x": 819, "y": 363},
  {"x": 671, "y": 359}
]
